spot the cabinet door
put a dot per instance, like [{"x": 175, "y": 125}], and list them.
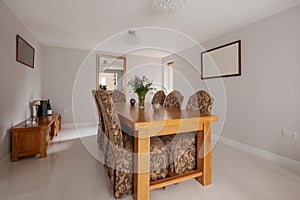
[{"x": 29, "y": 142}]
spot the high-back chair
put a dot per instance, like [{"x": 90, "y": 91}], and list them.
[
  {"x": 173, "y": 100},
  {"x": 118, "y": 96},
  {"x": 200, "y": 101},
  {"x": 119, "y": 155},
  {"x": 182, "y": 148},
  {"x": 159, "y": 97},
  {"x": 102, "y": 134},
  {"x": 100, "y": 117}
]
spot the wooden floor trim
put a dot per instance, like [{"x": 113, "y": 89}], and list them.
[{"x": 174, "y": 179}]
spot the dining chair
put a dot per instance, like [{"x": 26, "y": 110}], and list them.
[
  {"x": 174, "y": 100},
  {"x": 159, "y": 97},
  {"x": 200, "y": 101},
  {"x": 182, "y": 148},
  {"x": 119, "y": 156},
  {"x": 102, "y": 135},
  {"x": 118, "y": 96},
  {"x": 100, "y": 117}
]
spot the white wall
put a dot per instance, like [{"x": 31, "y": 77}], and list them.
[
  {"x": 83, "y": 105},
  {"x": 186, "y": 72},
  {"x": 144, "y": 66},
  {"x": 19, "y": 84},
  {"x": 69, "y": 76},
  {"x": 265, "y": 99},
  {"x": 187, "y": 80},
  {"x": 59, "y": 72}
]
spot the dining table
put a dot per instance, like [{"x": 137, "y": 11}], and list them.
[{"x": 150, "y": 122}]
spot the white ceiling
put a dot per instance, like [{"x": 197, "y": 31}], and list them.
[{"x": 83, "y": 24}]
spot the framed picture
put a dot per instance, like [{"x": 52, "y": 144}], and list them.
[
  {"x": 24, "y": 52},
  {"x": 223, "y": 61}
]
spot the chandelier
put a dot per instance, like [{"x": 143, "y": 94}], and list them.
[{"x": 169, "y": 6}]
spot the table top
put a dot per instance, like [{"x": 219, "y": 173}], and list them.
[
  {"x": 43, "y": 123},
  {"x": 136, "y": 118}
]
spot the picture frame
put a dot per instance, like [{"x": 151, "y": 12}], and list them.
[
  {"x": 24, "y": 52},
  {"x": 222, "y": 61}
]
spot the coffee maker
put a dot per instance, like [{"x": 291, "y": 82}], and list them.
[{"x": 42, "y": 109}]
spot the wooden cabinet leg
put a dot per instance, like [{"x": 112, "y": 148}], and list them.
[
  {"x": 15, "y": 145},
  {"x": 204, "y": 155},
  {"x": 141, "y": 168},
  {"x": 42, "y": 144}
]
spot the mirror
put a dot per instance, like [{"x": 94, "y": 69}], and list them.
[{"x": 111, "y": 72}]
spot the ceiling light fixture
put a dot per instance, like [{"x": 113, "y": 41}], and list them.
[
  {"x": 131, "y": 37},
  {"x": 169, "y": 6}
]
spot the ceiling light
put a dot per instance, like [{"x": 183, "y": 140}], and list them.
[
  {"x": 169, "y": 6},
  {"x": 131, "y": 37}
]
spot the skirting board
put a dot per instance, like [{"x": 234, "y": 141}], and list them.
[
  {"x": 78, "y": 125},
  {"x": 284, "y": 161}
]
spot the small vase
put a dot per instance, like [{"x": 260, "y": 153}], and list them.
[{"x": 141, "y": 100}]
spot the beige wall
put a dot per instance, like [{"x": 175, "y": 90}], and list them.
[
  {"x": 59, "y": 72},
  {"x": 186, "y": 72},
  {"x": 265, "y": 99},
  {"x": 69, "y": 75},
  {"x": 19, "y": 84}
]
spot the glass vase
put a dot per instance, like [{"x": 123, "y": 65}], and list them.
[{"x": 141, "y": 98}]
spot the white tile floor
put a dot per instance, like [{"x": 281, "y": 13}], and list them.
[{"x": 70, "y": 172}]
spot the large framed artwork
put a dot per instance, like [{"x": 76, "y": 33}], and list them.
[
  {"x": 222, "y": 61},
  {"x": 24, "y": 52}
]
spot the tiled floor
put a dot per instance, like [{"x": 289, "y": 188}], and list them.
[{"x": 72, "y": 171}]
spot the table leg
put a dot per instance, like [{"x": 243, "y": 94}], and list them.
[
  {"x": 204, "y": 154},
  {"x": 141, "y": 168}
]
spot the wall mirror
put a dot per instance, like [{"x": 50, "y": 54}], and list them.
[{"x": 111, "y": 72}]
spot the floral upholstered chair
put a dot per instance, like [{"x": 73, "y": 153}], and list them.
[
  {"x": 119, "y": 152},
  {"x": 102, "y": 133},
  {"x": 182, "y": 148},
  {"x": 200, "y": 101},
  {"x": 100, "y": 117},
  {"x": 118, "y": 97},
  {"x": 173, "y": 100},
  {"x": 159, "y": 97}
]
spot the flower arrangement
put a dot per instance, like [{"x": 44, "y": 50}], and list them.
[{"x": 140, "y": 86}]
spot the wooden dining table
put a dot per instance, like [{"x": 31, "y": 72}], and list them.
[{"x": 146, "y": 123}]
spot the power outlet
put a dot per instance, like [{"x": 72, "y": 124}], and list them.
[{"x": 289, "y": 134}]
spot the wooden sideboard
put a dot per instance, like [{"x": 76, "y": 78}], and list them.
[{"x": 33, "y": 140}]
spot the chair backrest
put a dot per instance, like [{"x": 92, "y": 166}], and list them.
[
  {"x": 159, "y": 97},
  {"x": 200, "y": 101},
  {"x": 118, "y": 97},
  {"x": 174, "y": 100},
  {"x": 111, "y": 119},
  {"x": 101, "y": 123}
]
